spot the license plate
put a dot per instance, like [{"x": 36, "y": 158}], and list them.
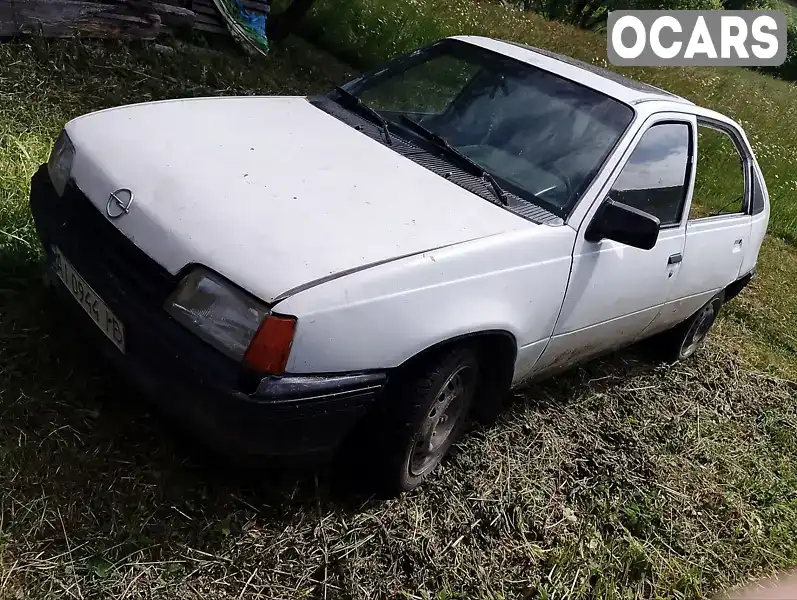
[{"x": 88, "y": 299}]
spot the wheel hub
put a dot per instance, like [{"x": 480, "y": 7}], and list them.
[
  {"x": 446, "y": 412},
  {"x": 698, "y": 331}
]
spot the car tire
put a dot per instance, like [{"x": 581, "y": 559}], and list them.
[
  {"x": 426, "y": 411},
  {"x": 685, "y": 339}
]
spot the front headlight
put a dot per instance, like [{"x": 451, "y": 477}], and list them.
[
  {"x": 232, "y": 321},
  {"x": 222, "y": 315},
  {"x": 59, "y": 165}
]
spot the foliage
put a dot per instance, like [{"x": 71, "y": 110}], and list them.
[
  {"x": 788, "y": 70},
  {"x": 591, "y": 14},
  {"x": 749, "y": 4}
]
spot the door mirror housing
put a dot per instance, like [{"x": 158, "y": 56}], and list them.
[{"x": 624, "y": 224}]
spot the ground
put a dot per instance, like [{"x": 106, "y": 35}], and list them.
[{"x": 623, "y": 478}]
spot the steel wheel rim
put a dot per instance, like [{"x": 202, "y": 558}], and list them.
[
  {"x": 698, "y": 331},
  {"x": 446, "y": 412}
]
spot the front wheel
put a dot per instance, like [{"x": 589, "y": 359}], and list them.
[{"x": 427, "y": 413}]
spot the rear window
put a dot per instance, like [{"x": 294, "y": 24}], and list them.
[{"x": 719, "y": 178}]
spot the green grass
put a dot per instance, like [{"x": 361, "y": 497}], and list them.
[{"x": 620, "y": 479}]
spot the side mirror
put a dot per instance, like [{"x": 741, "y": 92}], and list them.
[{"x": 625, "y": 224}]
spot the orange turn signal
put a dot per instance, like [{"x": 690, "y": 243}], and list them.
[{"x": 269, "y": 350}]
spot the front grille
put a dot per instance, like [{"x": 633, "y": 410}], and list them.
[
  {"x": 133, "y": 285},
  {"x": 93, "y": 244}
]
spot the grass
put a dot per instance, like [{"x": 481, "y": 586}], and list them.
[{"x": 619, "y": 479}]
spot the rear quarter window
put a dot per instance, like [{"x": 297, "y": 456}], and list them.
[{"x": 758, "y": 193}]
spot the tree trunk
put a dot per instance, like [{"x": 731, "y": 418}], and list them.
[{"x": 281, "y": 25}]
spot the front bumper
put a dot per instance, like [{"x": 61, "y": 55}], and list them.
[{"x": 284, "y": 417}]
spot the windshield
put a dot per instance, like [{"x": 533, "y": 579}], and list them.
[{"x": 542, "y": 136}]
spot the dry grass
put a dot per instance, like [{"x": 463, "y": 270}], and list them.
[{"x": 620, "y": 479}]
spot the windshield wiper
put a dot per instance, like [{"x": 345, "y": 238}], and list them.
[
  {"x": 470, "y": 165},
  {"x": 357, "y": 101}
]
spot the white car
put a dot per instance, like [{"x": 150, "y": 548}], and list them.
[{"x": 391, "y": 258}]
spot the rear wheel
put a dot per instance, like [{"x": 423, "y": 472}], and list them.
[
  {"x": 685, "y": 339},
  {"x": 426, "y": 414}
]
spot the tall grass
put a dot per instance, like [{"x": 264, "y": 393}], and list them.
[{"x": 367, "y": 32}]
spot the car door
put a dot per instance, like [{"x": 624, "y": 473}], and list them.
[
  {"x": 719, "y": 222},
  {"x": 615, "y": 291}
]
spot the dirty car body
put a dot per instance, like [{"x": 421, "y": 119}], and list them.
[{"x": 266, "y": 267}]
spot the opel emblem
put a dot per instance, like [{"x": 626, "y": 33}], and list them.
[{"x": 119, "y": 203}]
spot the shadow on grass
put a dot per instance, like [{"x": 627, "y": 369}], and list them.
[{"x": 72, "y": 424}]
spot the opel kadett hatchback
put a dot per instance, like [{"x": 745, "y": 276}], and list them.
[{"x": 389, "y": 259}]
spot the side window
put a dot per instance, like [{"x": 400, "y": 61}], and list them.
[
  {"x": 655, "y": 177},
  {"x": 719, "y": 179}
]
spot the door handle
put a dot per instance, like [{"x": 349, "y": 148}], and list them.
[{"x": 675, "y": 259}]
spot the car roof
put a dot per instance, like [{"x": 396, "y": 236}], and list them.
[{"x": 613, "y": 84}]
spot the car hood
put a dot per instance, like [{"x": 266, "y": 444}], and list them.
[{"x": 271, "y": 192}]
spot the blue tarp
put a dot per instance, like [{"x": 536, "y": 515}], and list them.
[
  {"x": 247, "y": 27},
  {"x": 256, "y": 21}
]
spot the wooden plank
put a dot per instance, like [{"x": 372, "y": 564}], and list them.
[
  {"x": 128, "y": 19},
  {"x": 257, "y": 7},
  {"x": 46, "y": 17},
  {"x": 154, "y": 13},
  {"x": 250, "y": 5},
  {"x": 98, "y": 27},
  {"x": 207, "y": 28},
  {"x": 162, "y": 8},
  {"x": 103, "y": 28},
  {"x": 121, "y": 18},
  {"x": 208, "y": 20},
  {"x": 186, "y": 4},
  {"x": 159, "y": 7},
  {"x": 200, "y": 9},
  {"x": 175, "y": 16}
]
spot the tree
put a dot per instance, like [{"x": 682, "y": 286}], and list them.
[
  {"x": 592, "y": 14},
  {"x": 280, "y": 25}
]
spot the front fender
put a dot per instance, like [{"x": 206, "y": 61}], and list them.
[{"x": 380, "y": 317}]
